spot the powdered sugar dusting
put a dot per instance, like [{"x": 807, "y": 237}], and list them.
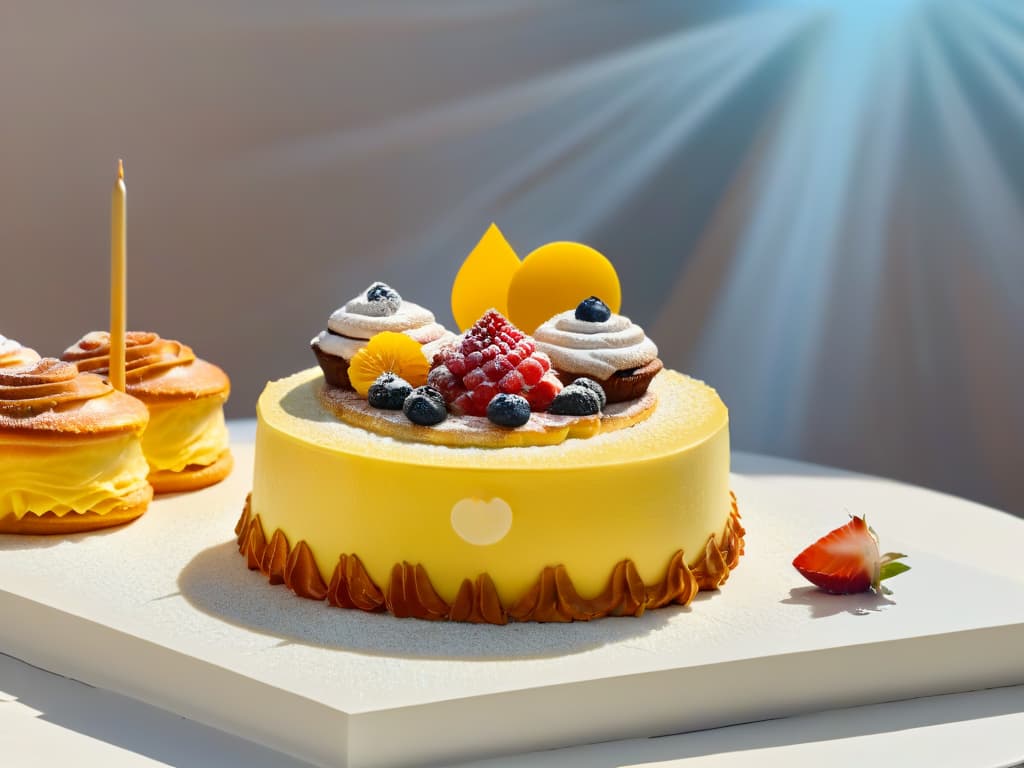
[
  {"x": 688, "y": 412},
  {"x": 12, "y": 353}
]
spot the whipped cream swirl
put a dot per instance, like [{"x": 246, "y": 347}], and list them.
[
  {"x": 353, "y": 325},
  {"x": 592, "y": 349}
]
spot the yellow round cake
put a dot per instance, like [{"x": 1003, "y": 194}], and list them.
[
  {"x": 557, "y": 474},
  {"x": 607, "y": 525}
]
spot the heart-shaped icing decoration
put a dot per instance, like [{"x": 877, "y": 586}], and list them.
[{"x": 481, "y": 522}]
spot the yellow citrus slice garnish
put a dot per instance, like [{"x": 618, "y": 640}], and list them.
[
  {"x": 483, "y": 278},
  {"x": 388, "y": 352},
  {"x": 557, "y": 277}
]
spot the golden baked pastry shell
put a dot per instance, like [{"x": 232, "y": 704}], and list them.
[{"x": 192, "y": 478}]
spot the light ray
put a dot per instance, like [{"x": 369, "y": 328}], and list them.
[
  {"x": 782, "y": 276},
  {"x": 639, "y": 148},
  {"x": 985, "y": 192},
  {"x": 861, "y": 251},
  {"x": 1009, "y": 91},
  {"x": 518, "y": 194},
  {"x": 976, "y": 258},
  {"x": 475, "y": 114},
  {"x": 1010, "y": 11}
]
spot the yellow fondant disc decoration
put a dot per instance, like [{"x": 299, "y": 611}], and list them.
[
  {"x": 557, "y": 277},
  {"x": 388, "y": 352},
  {"x": 483, "y": 279}
]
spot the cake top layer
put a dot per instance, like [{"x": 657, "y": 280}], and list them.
[{"x": 688, "y": 413}]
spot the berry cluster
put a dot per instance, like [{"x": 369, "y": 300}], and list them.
[
  {"x": 422, "y": 405},
  {"x": 493, "y": 357}
]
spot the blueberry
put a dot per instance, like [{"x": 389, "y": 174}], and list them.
[
  {"x": 593, "y": 310},
  {"x": 432, "y": 392},
  {"x": 389, "y": 392},
  {"x": 508, "y": 410},
  {"x": 381, "y": 292},
  {"x": 425, "y": 406},
  {"x": 384, "y": 300},
  {"x": 594, "y": 387},
  {"x": 575, "y": 401}
]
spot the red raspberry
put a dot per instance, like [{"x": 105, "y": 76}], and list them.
[
  {"x": 457, "y": 365},
  {"x": 502, "y": 364},
  {"x": 541, "y": 394},
  {"x": 445, "y": 382},
  {"x": 474, "y": 378},
  {"x": 512, "y": 383},
  {"x": 490, "y": 368},
  {"x": 531, "y": 369},
  {"x": 482, "y": 395},
  {"x": 493, "y": 356},
  {"x": 462, "y": 405}
]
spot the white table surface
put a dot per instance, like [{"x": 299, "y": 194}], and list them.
[{"x": 49, "y": 720}]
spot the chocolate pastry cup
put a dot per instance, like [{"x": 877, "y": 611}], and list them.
[
  {"x": 621, "y": 385},
  {"x": 335, "y": 368}
]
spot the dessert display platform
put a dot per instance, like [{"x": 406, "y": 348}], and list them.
[{"x": 163, "y": 611}]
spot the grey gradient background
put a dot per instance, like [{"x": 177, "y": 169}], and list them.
[{"x": 816, "y": 208}]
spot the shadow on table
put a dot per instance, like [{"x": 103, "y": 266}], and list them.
[
  {"x": 19, "y": 542},
  {"x": 821, "y": 604},
  {"x": 217, "y": 582},
  {"x": 10, "y": 542}
]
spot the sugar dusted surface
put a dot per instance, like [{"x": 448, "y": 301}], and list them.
[
  {"x": 688, "y": 412},
  {"x": 107, "y": 414}
]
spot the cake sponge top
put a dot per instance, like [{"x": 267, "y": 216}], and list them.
[{"x": 688, "y": 413}]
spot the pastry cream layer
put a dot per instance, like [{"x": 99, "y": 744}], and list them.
[
  {"x": 43, "y": 474},
  {"x": 640, "y": 493},
  {"x": 186, "y": 433}
]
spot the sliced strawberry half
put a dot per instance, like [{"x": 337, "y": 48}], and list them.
[
  {"x": 847, "y": 560},
  {"x": 491, "y": 357}
]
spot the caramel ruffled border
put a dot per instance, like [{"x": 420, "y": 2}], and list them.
[{"x": 553, "y": 597}]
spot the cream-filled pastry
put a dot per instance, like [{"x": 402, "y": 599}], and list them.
[
  {"x": 12, "y": 353},
  {"x": 593, "y": 342},
  {"x": 377, "y": 309},
  {"x": 186, "y": 442},
  {"x": 70, "y": 451}
]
